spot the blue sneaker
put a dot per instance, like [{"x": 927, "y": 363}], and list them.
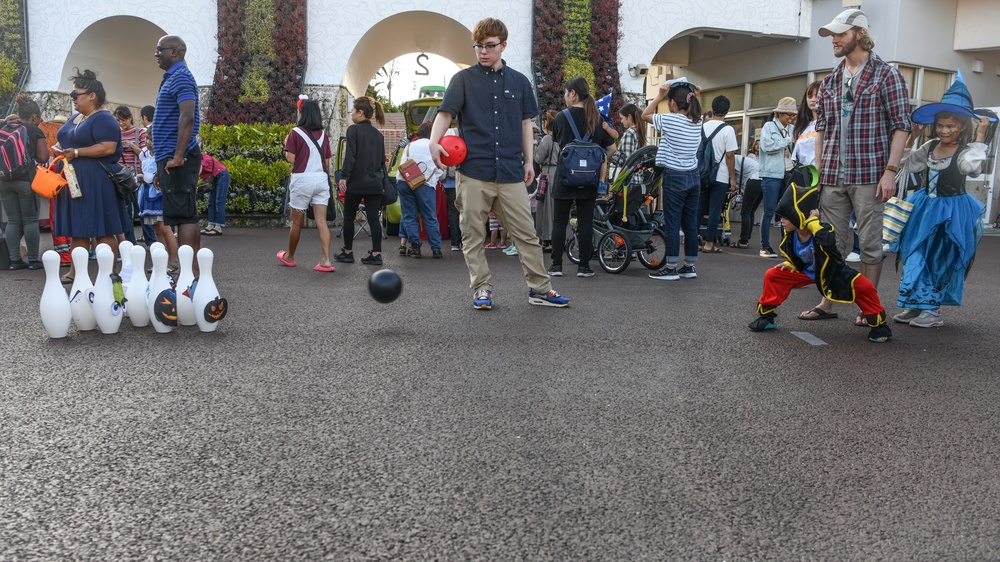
[
  {"x": 550, "y": 298},
  {"x": 482, "y": 300}
]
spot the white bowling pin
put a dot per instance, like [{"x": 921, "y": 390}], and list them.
[
  {"x": 185, "y": 307},
  {"x": 136, "y": 307},
  {"x": 156, "y": 245},
  {"x": 54, "y": 305},
  {"x": 158, "y": 283},
  {"x": 107, "y": 310},
  {"x": 81, "y": 294},
  {"x": 208, "y": 307},
  {"x": 125, "y": 253}
]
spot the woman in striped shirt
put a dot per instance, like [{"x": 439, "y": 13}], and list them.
[{"x": 678, "y": 155}]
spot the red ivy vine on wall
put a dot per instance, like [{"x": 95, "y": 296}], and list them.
[{"x": 284, "y": 76}]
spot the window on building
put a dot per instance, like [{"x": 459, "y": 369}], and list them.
[
  {"x": 910, "y": 74},
  {"x": 935, "y": 85},
  {"x": 735, "y": 95},
  {"x": 766, "y": 94}
]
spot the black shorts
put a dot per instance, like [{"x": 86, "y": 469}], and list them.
[{"x": 179, "y": 189}]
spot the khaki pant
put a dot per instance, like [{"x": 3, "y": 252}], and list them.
[
  {"x": 836, "y": 202},
  {"x": 509, "y": 202}
]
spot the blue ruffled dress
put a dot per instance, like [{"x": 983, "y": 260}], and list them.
[{"x": 938, "y": 244}]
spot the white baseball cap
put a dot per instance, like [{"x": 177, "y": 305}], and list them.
[{"x": 847, "y": 19}]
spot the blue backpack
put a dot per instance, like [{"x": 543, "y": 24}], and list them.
[
  {"x": 708, "y": 166},
  {"x": 580, "y": 160}
]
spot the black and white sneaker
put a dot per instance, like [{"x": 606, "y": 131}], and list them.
[
  {"x": 687, "y": 272},
  {"x": 584, "y": 272},
  {"x": 768, "y": 253},
  {"x": 555, "y": 270},
  {"x": 666, "y": 274}
]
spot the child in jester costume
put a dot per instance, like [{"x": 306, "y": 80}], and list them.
[{"x": 811, "y": 257}]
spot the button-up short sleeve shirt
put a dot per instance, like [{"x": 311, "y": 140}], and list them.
[{"x": 490, "y": 106}]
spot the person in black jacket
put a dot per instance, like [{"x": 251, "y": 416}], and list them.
[
  {"x": 588, "y": 121},
  {"x": 811, "y": 257},
  {"x": 361, "y": 178}
]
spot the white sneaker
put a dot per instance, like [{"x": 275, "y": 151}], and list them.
[
  {"x": 853, "y": 257},
  {"x": 928, "y": 319}
]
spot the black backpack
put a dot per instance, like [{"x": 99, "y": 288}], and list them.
[
  {"x": 580, "y": 160},
  {"x": 708, "y": 166},
  {"x": 15, "y": 162}
]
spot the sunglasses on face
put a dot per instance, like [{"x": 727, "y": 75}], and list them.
[{"x": 74, "y": 94}]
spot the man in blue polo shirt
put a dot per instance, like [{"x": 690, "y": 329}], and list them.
[
  {"x": 495, "y": 106},
  {"x": 175, "y": 129}
]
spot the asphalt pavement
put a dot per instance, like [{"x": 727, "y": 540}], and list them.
[{"x": 645, "y": 422}]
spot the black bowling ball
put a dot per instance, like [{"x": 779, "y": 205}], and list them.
[{"x": 385, "y": 285}]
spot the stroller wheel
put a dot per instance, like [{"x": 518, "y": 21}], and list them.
[
  {"x": 654, "y": 254},
  {"x": 573, "y": 249},
  {"x": 614, "y": 252}
]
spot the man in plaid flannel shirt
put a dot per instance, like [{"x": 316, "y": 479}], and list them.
[{"x": 862, "y": 124}]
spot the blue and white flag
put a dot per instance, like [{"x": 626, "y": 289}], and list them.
[{"x": 604, "y": 106}]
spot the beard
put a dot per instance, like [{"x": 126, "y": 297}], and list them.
[{"x": 847, "y": 49}]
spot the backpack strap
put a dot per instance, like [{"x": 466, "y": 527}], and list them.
[
  {"x": 572, "y": 125},
  {"x": 712, "y": 136}
]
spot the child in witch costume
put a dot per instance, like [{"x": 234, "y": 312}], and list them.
[{"x": 811, "y": 257}]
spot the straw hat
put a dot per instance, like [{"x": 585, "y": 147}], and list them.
[{"x": 787, "y": 105}]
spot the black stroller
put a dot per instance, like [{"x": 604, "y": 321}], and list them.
[{"x": 621, "y": 229}]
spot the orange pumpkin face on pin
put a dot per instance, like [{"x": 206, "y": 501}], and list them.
[
  {"x": 165, "y": 307},
  {"x": 216, "y": 309}
]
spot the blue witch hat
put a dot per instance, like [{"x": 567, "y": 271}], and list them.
[{"x": 956, "y": 100}]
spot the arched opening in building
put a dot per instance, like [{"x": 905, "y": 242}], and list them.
[
  {"x": 120, "y": 50},
  {"x": 404, "y": 33}
]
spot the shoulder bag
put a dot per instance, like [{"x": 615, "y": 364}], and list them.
[
  {"x": 331, "y": 207},
  {"x": 123, "y": 179},
  {"x": 897, "y": 211},
  {"x": 412, "y": 174}
]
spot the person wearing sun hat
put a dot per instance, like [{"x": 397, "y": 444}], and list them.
[
  {"x": 775, "y": 142},
  {"x": 938, "y": 243},
  {"x": 862, "y": 120},
  {"x": 811, "y": 258}
]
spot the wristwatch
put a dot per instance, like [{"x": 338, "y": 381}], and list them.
[{"x": 892, "y": 169}]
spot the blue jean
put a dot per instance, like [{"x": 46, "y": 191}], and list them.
[
  {"x": 771, "y": 188},
  {"x": 217, "y": 199},
  {"x": 421, "y": 201},
  {"x": 680, "y": 210},
  {"x": 710, "y": 203}
]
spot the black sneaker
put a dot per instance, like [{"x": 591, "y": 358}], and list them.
[
  {"x": 344, "y": 257},
  {"x": 687, "y": 272},
  {"x": 16, "y": 265},
  {"x": 584, "y": 272},
  {"x": 555, "y": 270},
  {"x": 414, "y": 251},
  {"x": 372, "y": 259},
  {"x": 763, "y": 323},
  {"x": 768, "y": 253},
  {"x": 436, "y": 254},
  {"x": 402, "y": 249},
  {"x": 666, "y": 274}
]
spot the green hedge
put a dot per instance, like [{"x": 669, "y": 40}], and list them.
[{"x": 254, "y": 156}]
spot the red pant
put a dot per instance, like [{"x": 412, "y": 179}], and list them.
[{"x": 779, "y": 282}]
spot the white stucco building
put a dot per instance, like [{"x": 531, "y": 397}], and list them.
[{"x": 754, "y": 51}]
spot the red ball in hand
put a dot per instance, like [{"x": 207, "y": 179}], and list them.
[{"x": 456, "y": 149}]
